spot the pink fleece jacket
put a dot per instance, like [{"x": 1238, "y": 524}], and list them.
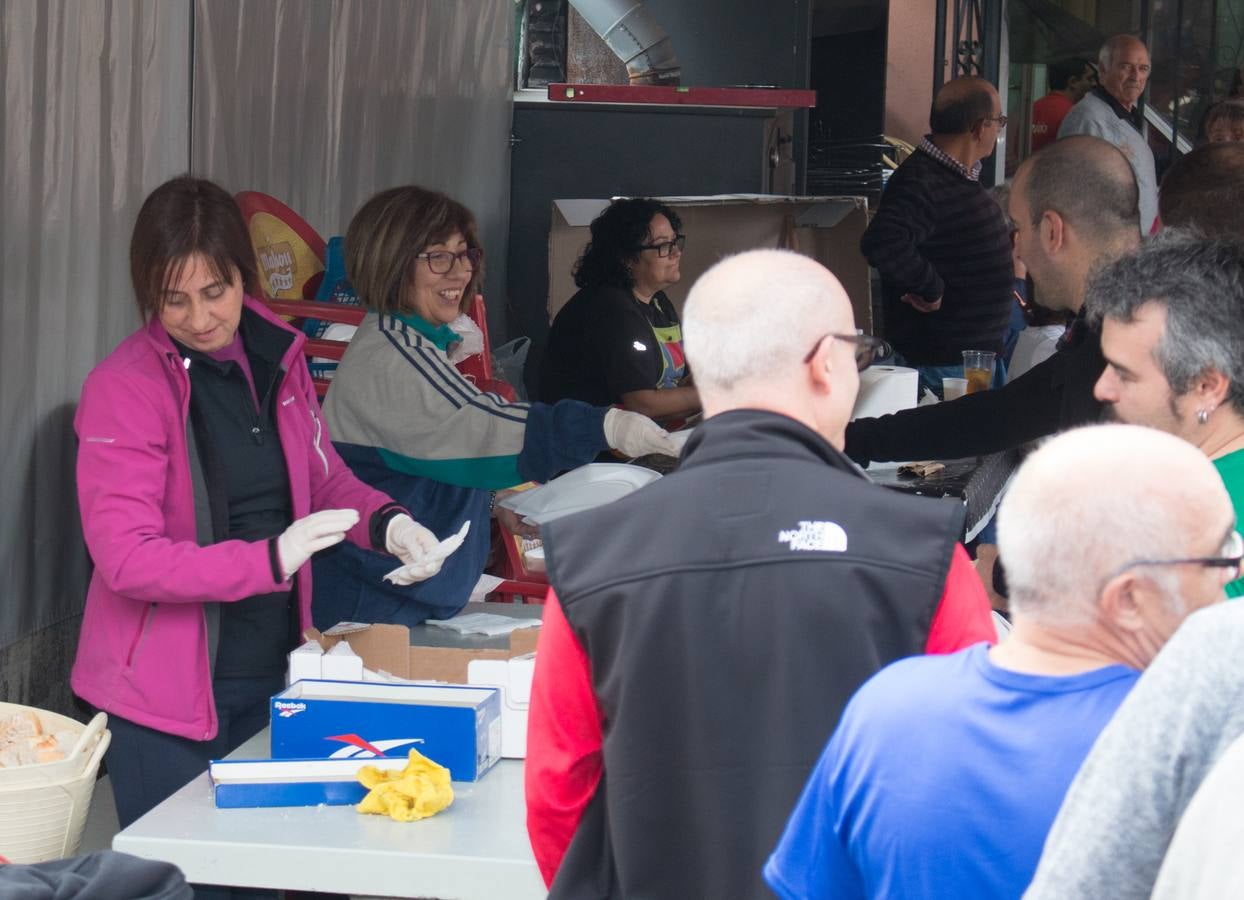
[{"x": 143, "y": 652}]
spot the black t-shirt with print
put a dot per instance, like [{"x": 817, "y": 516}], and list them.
[{"x": 602, "y": 345}]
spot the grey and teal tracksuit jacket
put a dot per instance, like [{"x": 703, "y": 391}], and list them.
[{"x": 408, "y": 422}]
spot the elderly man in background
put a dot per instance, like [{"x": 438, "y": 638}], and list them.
[
  {"x": 1172, "y": 333},
  {"x": 940, "y": 244},
  {"x": 704, "y": 634},
  {"x": 945, "y": 773},
  {"x": 1109, "y": 111},
  {"x": 1204, "y": 190},
  {"x": 1074, "y": 204}
]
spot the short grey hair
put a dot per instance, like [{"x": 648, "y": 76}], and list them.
[
  {"x": 1083, "y": 506},
  {"x": 1105, "y": 56},
  {"x": 748, "y": 317},
  {"x": 1200, "y": 284}
]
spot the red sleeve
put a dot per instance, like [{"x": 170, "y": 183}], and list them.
[
  {"x": 563, "y": 741},
  {"x": 963, "y": 616}
]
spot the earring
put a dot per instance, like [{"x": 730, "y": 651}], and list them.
[{"x": 1202, "y": 416}]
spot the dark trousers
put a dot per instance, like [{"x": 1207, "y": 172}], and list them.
[{"x": 147, "y": 766}]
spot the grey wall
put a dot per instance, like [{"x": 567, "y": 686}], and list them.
[
  {"x": 322, "y": 103},
  {"x": 92, "y": 116},
  {"x": 319, "y": 102}
]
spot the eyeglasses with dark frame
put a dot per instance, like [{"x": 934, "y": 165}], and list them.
[
  {"x": 1001, "y": 119},
  {"x": 665, "y": 248},
  {"x": 867, "y": 348},
  {"x": 1232, "y": 558},
  {"x": 441, "y": 262}
]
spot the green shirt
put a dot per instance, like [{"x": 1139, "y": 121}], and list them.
[{"x": 1231, "y": 470}]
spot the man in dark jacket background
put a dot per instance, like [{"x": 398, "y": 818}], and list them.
[
  {"x": 704, "y": 634},
  {"x": 940, "y": 242}
]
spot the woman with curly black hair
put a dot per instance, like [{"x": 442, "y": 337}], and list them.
[{"x": 618, "y": 340}]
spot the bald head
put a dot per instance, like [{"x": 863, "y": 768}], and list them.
[
  {"x": 1089, "y": 183},
  {"x": 961, "y": 104},
  {"x": 758, "y": 333},
  {"x": 1205, "y": 190},
  {"x": 1095, "y": 499}
]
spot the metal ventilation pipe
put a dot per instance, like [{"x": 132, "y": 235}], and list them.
[{"x": 635, "y": 38}]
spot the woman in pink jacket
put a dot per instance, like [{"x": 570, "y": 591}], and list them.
[{"x": 206, "y": 481}]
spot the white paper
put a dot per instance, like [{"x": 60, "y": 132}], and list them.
[
  {"x": 484, "y": 623},
  {"x": 441, "y": 551},
  {"x": 485, "y": 586}
]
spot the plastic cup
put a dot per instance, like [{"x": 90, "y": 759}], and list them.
[
  {"x": 978, "y": 369},
  {"x": 954, "y": 388}
]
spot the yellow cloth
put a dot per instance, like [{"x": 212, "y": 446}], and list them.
[{"x": 420, "y": 790}]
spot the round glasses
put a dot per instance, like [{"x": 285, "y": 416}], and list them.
[{"x": 441, "y": 262}]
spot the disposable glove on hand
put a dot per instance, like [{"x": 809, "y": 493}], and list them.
[
  {"x": 311, "y": 534},
  {"x": 411, "y": 543},
  {"x": 634, "y": 435}
]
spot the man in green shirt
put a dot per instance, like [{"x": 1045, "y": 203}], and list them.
[{"x": 1172, "y": 325}]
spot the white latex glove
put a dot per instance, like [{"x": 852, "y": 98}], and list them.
[
  {"x": 634, "y": 435},
  {"x": 412, "y": 544},
  {"x": 311, "y": 534}
]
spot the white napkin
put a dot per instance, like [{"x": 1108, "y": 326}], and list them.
[{"x": 440, "y": 552}]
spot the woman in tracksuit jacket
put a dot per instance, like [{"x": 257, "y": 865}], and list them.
[
  {"x": 206, "y": 480},
  {"x": 409, "y": 423}
]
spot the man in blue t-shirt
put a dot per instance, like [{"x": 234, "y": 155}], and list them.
[{"x": 945, "y": 773}]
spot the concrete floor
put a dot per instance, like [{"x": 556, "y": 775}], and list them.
[{"x": 101, "y": 820}]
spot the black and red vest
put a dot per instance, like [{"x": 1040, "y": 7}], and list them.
[{"x": 728, "y": 612}]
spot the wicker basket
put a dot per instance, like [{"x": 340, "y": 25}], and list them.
[{"x": 43, "y": 806}]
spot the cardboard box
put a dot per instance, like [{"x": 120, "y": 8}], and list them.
[
  {"x": 456, "y": 726},
  {"x": 513, "y": 678},
  {"x": 247, "y": 783},
  {"x": 826, "y": 228},
  {"x": 427, "y": 653}
]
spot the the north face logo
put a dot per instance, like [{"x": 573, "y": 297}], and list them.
[{"x": 823, "y": 536}]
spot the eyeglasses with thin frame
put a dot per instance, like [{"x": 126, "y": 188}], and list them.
[
  {"x": 441, "y": 262},
  {"x": 665, "y": 248},
  {"x": 1001, "y": 119},
  {"x": 1232, "y": 559},
  {"x": 867, "y": 348}
]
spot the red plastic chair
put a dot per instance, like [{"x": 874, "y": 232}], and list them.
[{"x": 477, "y": 368}]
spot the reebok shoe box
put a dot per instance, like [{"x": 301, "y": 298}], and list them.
[{"x": 456, "y": 726}]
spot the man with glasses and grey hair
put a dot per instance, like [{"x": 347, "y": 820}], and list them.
[
  {"x": 703, "y": 634},
  {"x": 945, "y": 772},
  {"x": 1171, "y": 334}
]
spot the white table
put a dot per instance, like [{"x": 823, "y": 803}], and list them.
[{"x": 477, "y": 848}]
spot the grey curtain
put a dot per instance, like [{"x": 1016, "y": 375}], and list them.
[
  {"x": 317, "y": 102},
  {"x": 95, "y": 109},
  {"x": 322, "y": 103}
]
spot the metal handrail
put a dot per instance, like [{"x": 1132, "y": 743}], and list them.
[{"x": 1158, "y": 121}]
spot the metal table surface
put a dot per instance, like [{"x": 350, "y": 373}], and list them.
[{"x": 477, "y": 848}]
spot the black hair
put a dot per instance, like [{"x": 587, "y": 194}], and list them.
[
  {"x": 1062, "y": 71},
  {"x": 617, "y": 236}
]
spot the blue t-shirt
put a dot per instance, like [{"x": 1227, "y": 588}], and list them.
[{"x": 942, "y": 780}]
